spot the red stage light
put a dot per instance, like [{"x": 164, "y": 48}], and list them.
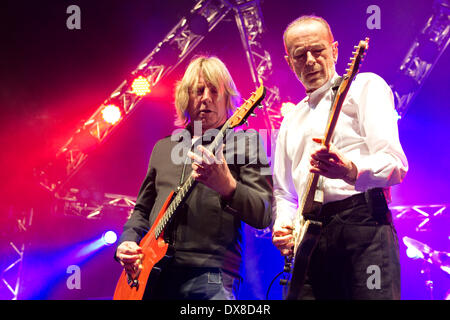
[
  {"x": 140, "y": 86},
  {"x": 111, "y": 114}
]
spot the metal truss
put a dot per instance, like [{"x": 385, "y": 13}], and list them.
[
  {"x": 422, "y": 56},
  {"x": 84, "y": 204},
  {"x": 11, "y": 275},
  {"x": 250, "y": 23},
  {"x": 422, "y": 216},
  {"x": 164, "y": 58}
]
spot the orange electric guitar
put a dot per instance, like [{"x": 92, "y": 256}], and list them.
[{"x": 156, "y": 251}]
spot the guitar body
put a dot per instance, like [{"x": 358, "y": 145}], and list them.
[
  {"x": 155, "y": 253},
  {"x": 309, "y": 237},
  {"x": 306, "y": 236}
]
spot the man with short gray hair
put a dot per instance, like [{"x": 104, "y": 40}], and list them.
[{"x": 363, "y": 160}]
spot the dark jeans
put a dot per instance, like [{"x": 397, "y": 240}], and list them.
[
  {"x": 357, "y": 256},
  {"x": 184, "y": 283}
]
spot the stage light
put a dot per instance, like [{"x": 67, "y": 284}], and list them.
[
  {"x": 109, "y": 237},
  {"x": 140, "y": 86},
  {"x": 111, "y": 114},
  {"x": 286, "y": 107},
  {"x": 413, "y": 253}
]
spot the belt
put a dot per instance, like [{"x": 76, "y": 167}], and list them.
[{"x": 373, "y": 198}]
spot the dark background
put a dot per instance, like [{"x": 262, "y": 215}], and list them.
[{"x": 53, "y": 78}]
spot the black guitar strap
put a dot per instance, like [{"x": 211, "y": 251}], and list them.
[{"x": 334, "y": 88}]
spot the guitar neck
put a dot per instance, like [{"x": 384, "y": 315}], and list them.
[{"x": 335, "y": 111}]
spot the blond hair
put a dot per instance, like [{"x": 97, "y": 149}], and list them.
[{"x": 216, "y": 74}]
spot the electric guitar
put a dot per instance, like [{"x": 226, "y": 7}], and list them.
[
  {"x": 156, "y": 251},
  {"x": 307, "y": 228}
]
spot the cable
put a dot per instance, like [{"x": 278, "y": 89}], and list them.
[
  {"x": 271, "y": 283},
  {"x": 285, "y": 280}
]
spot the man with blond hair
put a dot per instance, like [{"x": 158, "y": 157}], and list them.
[
  {"x": 206, "y": 232},
  {"x": 356, "y": 255}
]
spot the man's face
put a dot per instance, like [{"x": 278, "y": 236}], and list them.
[
  {"x": 311, "y": 55},
  {"x": 207, "y": 104}
]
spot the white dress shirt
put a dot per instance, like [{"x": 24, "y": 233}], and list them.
[{"x": 366, "y": 133}]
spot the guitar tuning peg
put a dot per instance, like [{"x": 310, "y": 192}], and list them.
[
  {"x": 252, "y": 114},
  {"x": 347, "y": 70},
  {"x": 246, "y": 123},
  {"x": 259, "y": 106}
]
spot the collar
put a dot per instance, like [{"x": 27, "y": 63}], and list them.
[{"x": 314, "y": 97}]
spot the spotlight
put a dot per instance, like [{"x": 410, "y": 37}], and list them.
[
  {"x": 111, "y": 114},
  {"x": 109, "y": 237},
  {"x": 413, "y": 253},
  {"x": 140, "y": 86},
  {"x": 286, "y": 107}
]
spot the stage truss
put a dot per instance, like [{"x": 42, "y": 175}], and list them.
[
  {"x": 422, "y": 56},
  {"x": 176, "y": 46},
  {"x": 11, "y": 273},
  {"x": 181, "y": 41}
]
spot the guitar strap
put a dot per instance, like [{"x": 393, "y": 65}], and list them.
[{"x": 335, "y": 88}]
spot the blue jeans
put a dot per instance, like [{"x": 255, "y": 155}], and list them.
[{"x": 183, "y": 283}]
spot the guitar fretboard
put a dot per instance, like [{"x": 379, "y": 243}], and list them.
[{"x": 188, "y": 185}]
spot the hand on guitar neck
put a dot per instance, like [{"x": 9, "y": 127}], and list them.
[
  {"x": 212, "y": 170},
  {"x": 283, "y": 239},
  {"x": 328, "y": 162},
  {"x": 331, "y": 163}
]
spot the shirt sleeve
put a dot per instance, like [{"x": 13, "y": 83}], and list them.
[
  {"x": 285, "y": 196},
  {"x": 386, "y": 163}
]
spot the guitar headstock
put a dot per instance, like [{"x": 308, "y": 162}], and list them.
[
  {"x": 356, "y": 59},
  {"x": 246, "y": 109}
]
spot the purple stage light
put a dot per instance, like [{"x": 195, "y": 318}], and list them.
[
  {"x": 109, "y": 237},
  {"x": 413, "y": 253}
]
